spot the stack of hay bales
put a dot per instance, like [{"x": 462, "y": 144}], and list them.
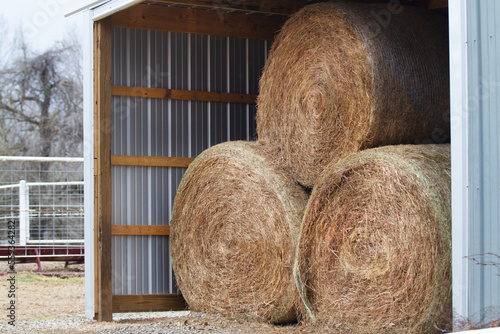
[{"x": 371, "y": 250}]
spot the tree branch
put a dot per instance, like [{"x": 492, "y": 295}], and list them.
[{"x": 14, "y": 111}]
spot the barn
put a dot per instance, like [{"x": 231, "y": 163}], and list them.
[{"x": 165, "y": 80}]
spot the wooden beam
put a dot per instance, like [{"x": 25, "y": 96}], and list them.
[
  {"x": 102, "y": 130},
  {"x": 158, "y": 302},
  {"x": 198, "y": 21},
  {"x": 132, "y": 160},
  {"x": 188, "y": 95},
  {"x": 140, "y": 230},
  {"x": 282, "y": 7},
  {"x": 433, "y": 4},
  {"x": 97, "y": 274}
]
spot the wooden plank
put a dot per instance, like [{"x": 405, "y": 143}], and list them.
[
  {"x": 188, "y": 95},
  {"x": 132, "y": 160},
  {"x": 198, "y": 21},
  {"x": 96, "y": 182},
  {"x": 157, "y": 302},
  {"x": 433, "y": 4},
  {"x": 282, "y": 7},
  {"x": 102, "y": 95},
  {"x": 97, "y": 272},
  {"x": 140, "y": 230}
]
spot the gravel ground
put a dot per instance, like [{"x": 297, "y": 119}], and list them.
[
  {"x": 55, "y": 304},
  {"x": 179, "y": 322}
]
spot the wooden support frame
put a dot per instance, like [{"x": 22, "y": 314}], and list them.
[
  {"x": 147, "y": 161},
  {"x": 187, "y": 95},
  {"x": 158, "y": 18},
  {"x": 158, "y": 302},
  {"x": 102, "y": 152},
  {"x": 105, "y": 302},
  {"x": 198, "y": 21},
  {"x": 140, "y": 230},
  {"x": 149, "y": 302}
]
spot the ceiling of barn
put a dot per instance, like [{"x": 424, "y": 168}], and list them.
[{"x": 282, "y": 7}]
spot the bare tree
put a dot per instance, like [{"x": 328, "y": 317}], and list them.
[
  {"x": 41, "y": 114},
  {"x": 41, "y": 103}
]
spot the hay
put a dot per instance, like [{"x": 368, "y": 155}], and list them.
[
  {"x": 234, "y": 231},
  {"x": 374, "y": 254},
  {"x": 342, "y": 77}
]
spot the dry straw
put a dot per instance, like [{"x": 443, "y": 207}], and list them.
[
  {"x": 374, "y": 254},
  {"x": 234, "y": 232},
  {"x": 342, "y": 77}
]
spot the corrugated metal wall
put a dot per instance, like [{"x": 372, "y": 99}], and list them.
[
  {"x": 483, "y": 40},
  {"x": 170, "y": 128}
]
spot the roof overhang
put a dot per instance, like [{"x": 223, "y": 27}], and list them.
[{"x": 101, "y": 8}]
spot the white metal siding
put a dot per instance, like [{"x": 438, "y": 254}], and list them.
[
  {"x": 475, "y": 77},
  {"x": 483, "y": 37}
]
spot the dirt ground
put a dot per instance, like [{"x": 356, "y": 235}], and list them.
[
  {"x": 42, "y": 299},
  {"x": 56, "y": 304}
]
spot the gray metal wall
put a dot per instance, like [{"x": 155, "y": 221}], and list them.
[
  {"x": 170, "y": 128},
  {"x": 483, "y": 35}
]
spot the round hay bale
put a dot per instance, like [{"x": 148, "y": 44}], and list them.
[
  {"x": 234, "y": 231},
  {"x": 374, "y": 253},
  {"x": 342, "y": 77}
]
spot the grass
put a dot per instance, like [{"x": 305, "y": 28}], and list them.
[{"x": 28, "y": 277}]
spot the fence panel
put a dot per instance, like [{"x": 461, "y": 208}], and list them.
[{"x": 43, "y": 197}]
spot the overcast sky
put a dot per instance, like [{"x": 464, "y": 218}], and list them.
[{"x": 42, "y": 21}]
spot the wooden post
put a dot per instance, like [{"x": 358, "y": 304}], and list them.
[{"x": 102, "y": 154}]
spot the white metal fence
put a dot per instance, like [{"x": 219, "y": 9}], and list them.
[
  {"x": 44, "y": 199},
  {"x": 56, "y": 216}
]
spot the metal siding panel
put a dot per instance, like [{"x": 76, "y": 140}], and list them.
[
  {"x": 117, "y": 260},
  {"x": 179, "y": 130},
  {"x": 117, "y": 128},
  {"x": 141, "y": 261},
  {"x": 159, "y": 185},
  {"x": 237, "y": 68},
  {"x": 218, "y": 64},
  {"x": 158, "y": 72},
  {"x": 164, "y": 259},
  {"x": 179, "y": 60},
  {"x": 199, "y": 61},
  {"x": 117, "y": 195},
  {"x": 136, "y": 257},
  {"x": 256, "y": 58},
  {"x": 199, "y": 127},
  {"x": 134, "y": 124},
  {"x": 132, "y": 63},
  {"x": 156, "y": 124},
  {"x": 138, "y": 57},
  {"x": 159, "y": 127},
  {"x": 132, "y": 185},
  {"x": 176, "y": 176},
  {"x": 252, "y": 122},
  {"x": 218, "y": 125},
  {"x": 484, "y": 75},
  {"x": 145, "y": 195},
  {"x": 459, "y": 157},
  {"x": 238, "y": 122},
  {"x": 119, "y": 63}
]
